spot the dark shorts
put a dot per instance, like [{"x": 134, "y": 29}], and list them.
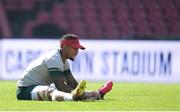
[{"x": 24, "y": 93}]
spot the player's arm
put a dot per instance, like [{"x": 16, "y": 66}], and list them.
[
  {"x": 59, "y": 80},
  {"x": 61, "y": 85},
  {"x": 70, "y": 80}
]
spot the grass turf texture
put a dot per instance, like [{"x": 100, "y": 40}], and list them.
[{"x": 124, "y": 96}]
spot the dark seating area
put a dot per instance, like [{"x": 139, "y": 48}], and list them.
[{"x": 95, "y": 19}]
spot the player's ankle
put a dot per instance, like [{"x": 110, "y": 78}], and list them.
[
  {"x": 101, "y": 95},
  {"x": 105, "y": 88},
  {"x": 77, "y": 98}
]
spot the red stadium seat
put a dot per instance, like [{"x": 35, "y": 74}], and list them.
[
  {"x": 27, "y": 4},
  {"x": 27, "y": 30},
  {"x": 11, "y": 5},
  {"x": 100, "y": 17}
]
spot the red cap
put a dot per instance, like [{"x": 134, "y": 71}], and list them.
[{"x": 72, "y": 42}]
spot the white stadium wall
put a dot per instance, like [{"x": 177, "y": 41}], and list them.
[
  {"x": 117, "y": 60},
  {"x": 1, "y": 64}
]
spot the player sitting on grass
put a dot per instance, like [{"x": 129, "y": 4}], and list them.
[{"x": 49, "y": 77}]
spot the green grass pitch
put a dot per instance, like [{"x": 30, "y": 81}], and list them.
[{"x": 124, "y": 96}]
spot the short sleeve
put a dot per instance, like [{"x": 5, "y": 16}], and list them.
[{"x": 55, "y": 68}]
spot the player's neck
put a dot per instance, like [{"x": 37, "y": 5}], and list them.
[{"x": 63, "y": 57}]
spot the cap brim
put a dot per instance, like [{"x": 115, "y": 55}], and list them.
[
  {"x": 79, "y": 47},
  {"x": 83, "y": 48}
]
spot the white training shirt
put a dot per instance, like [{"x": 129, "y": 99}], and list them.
[{"x": 37, "y": 73}]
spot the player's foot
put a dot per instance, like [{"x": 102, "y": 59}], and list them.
[
  {"x": 105, "y": 88},
  {"x": 78, "y": 92}
]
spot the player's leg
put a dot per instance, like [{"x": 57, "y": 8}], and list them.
[
  {"x": 99, "y": 94},
  {"x": 24, "y": 93},
  {"x": 75, "y": 95},
  {"x": 105, "y": 89},
  {"x": 52, "y": 94},
  {"x": 46, "y": 93},
  {"x": 42, "y": 92},
  {"x": 91, "y": 95}
]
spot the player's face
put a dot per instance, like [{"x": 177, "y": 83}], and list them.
[{"x": 72, "y": 53}]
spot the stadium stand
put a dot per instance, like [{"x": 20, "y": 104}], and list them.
[
  {"x": 96, "y": 19},
  {"x": 42, "y": 26},
  {"x": 4, "y": 26}
]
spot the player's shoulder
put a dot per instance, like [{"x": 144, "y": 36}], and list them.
[
  {"x": 51, "y": 55},
  {"x": 53, "y": 59}
]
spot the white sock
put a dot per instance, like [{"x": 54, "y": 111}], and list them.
[{"x": 61, "y": 96}]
